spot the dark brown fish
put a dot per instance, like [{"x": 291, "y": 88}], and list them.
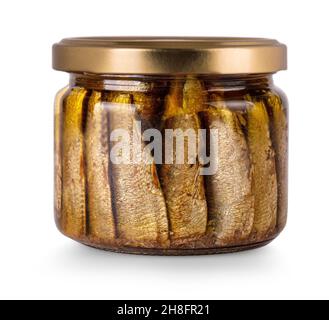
[
  {"x": 182, "y": 184},
  {"x": 279, "y": 135},
  {"x": 264, "y": 182},
  {"x": 140, "y": 208},
  {"x": 101, "y": 219},
  {"x": 58, "y": 106},
  {"x": 229, "y": 193},
  {"x": 73, "y": 170}
]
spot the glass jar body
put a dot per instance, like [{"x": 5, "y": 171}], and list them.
[{"x": 171, "y": 165}]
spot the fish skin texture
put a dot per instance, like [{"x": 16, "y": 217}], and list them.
[
  {"x": 182, "y": 184},
  {"x": 101, "y": 219},
  {"x": 229, "y": 190},
  {"x": 279, "y": 135},
  {"x": 74, "y": 193},
  {"x": 264, "y": 182},
  {"x": 140, "y": 209},
  {"x": 58, "y": 109}
]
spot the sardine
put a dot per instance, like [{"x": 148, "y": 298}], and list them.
[
  {"x": 73, "y": 170},
  {"x": 101, "y": 219},
  {"x": 264, "y": 182},
  {"x": 229, "y": 194},
  {"x": 140, "y": 209},
  {"x": 58, "y": 110},
  {"x": 279, "y": 135},
  {"x": 182, "y": 184}
]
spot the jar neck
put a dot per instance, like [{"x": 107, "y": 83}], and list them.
[
  {"x": 154, "y": 82},
  {"x": 239, "y": 82},
  {"x": 119, "y": 82}
]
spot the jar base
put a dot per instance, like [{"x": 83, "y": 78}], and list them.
[{"x": 181, "y": 252}]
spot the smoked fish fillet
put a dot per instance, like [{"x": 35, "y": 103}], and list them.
[
  {"x": 140, "y": 209},
  {"x": 73, "y": 171},
  {"x": 279, "y": 135},
  {"x": 264, "y": 182},
  {"x": 101, "y": 218},
  {"x": 58, "y": 106},
  {"x": 182, "y": 184},
  {"x": 229, "y": 190}
]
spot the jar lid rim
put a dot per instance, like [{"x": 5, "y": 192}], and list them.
[{"x": 169, "y": 55}]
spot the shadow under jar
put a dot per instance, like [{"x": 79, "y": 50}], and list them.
[{"x": 171, "y": 146}]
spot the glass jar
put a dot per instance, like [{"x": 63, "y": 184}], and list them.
[{"x": 171, "y": 146}]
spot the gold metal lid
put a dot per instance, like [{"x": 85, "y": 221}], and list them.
[{"x": 173, "y": 55}]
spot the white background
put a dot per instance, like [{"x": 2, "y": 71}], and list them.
[{"x": 36, "y": 261}]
